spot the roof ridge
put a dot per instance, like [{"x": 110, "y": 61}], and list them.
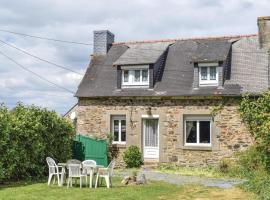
[{"x": 184, "y": 39}]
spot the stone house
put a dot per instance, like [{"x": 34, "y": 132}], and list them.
[
  {"x": 160, "y": 95},
  {"x": 70, "y": 115}
]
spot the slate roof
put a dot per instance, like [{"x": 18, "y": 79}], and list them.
[
  {"x": 211, "y": 50},
  {"x": 144, "y": 53},
  {"x": 249, "y": 68}
]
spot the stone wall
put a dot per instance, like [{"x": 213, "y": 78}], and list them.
[{"x": 228, "y": 135}]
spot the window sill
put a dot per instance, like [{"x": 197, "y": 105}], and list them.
[
  {"x": 119, "y": 144},
  {"x": 134, "y": 86},
  {"x": 199, "y": 148},
  {"x": 208, "y": 85}
]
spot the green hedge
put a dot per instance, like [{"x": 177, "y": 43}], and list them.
[
  {"x": 255, "y": 162},
  {"x": 255, "y": 112},
  {"x": 28, "y": 134}
]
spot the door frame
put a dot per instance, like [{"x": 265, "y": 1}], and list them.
[{"x": 145, "y": 117}]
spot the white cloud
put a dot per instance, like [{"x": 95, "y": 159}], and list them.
[{"x": 75, "y": 21}]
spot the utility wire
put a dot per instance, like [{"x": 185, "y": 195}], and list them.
[
  {"x": 45, "y": 38},
  {"x": 34, "y": 73},
  {"x": 39, "y": 58}
]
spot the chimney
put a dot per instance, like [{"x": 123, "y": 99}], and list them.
[
  {"x": 102, "y": 42},
  {"x": 264, "y": 31}
]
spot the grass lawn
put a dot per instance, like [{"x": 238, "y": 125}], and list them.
[{"x": 153, "y": 190}]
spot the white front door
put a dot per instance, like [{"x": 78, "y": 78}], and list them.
[{"x": 150, "y": 139}]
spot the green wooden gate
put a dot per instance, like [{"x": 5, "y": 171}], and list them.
[{"x": 86, "y": 148}]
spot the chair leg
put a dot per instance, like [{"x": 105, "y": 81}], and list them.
[
  {"x": 68, "y": 182},
  {"x": 50, "y": 178},
  {"x": 97, "y": 181},
  {"x": 58, "y": 180},
  {"x": 62, "y": 179},
  {"x": 110, "y": 181},
  {"x": 107, "y": 181},
  {"x": 80, "y": 182},
  {"x": 86, "y": 181},
  {"x": 101, "y": 181}
]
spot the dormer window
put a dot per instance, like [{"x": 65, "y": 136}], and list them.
[
  {"x": 208, "y": 74},
  {"x": 135, "y": 76}
]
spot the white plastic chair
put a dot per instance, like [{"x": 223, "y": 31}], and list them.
[
  {"x": 73, "y": 161},
  {"x": 106, "y": 173},
  {"x": 74, "y": 171},
  {"x": 54, "y": 171},
  {"x": 89, "y": 167}
]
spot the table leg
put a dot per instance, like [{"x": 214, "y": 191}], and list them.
[
  {"x": 62, "y": 176},
  {"x": 91, "y": 179}
]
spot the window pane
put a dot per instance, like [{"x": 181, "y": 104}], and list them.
[
  {"x": 123, "y": 130},
  {"x": 145, "y": 75},
  {"x": 213, "y": 73},
  {"x": 151, "y": 132},
  {"x": 126, "y": 75},
  {"x": 191, "y": 132},
  {"x": 204, "y": 131},
  {"x": 116, "y": 130},
  {"x": 203, "y": 73},
  {"x": 137, "y": 75}
]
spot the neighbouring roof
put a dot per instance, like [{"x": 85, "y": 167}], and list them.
[{"x": 249, "y": 67}]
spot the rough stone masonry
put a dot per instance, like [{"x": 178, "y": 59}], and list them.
[{"x": 229, "y": 134}]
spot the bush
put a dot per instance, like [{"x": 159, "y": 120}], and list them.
[
  {"x": 255, "y": 112},
  {"x": 28, "y": 134},
  {"x": 133, "y": 157}
]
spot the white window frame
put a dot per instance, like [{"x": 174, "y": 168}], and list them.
[
  {"x": 198, "y": 120},
  {"x": 208, "y": 82},
  {"x": 131, "y": 76},
  {"x": 119, "y": 118}
]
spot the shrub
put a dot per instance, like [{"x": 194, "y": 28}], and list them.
[
  {"x": 133, "y": 157},
  {"x": 255, "y": 162},
  {"x": 28, "y": 134},
  {"x": 255, "y": 112}
]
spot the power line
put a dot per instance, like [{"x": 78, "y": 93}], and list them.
[
  {"x": 40, "y": 77},
  {"x": 39, "y": 58},
  {"x": 45, "y": 38}
]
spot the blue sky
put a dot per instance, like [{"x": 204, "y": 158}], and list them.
[{"x": 76, "y": 20}]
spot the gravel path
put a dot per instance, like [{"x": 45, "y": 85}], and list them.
[{"x": 182, "y": 180}]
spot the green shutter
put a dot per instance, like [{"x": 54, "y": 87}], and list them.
[{"x": 86, "y": 148}]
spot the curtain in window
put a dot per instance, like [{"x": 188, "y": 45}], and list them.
[
  {"x": 151, "y": 132},
  {"x": 191, "y": 131},
  {"x": 213, "y": 73},
  {"x": 203, "y": 73}
]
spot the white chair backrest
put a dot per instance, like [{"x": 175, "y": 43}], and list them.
[
  {"x": 89, "y": 162},
  {"x": 73, "y": 161},
  {"x": 74, "y": 170},
  {"x": 51, "y": 164},
  {"x": 111, "y": 166}
]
